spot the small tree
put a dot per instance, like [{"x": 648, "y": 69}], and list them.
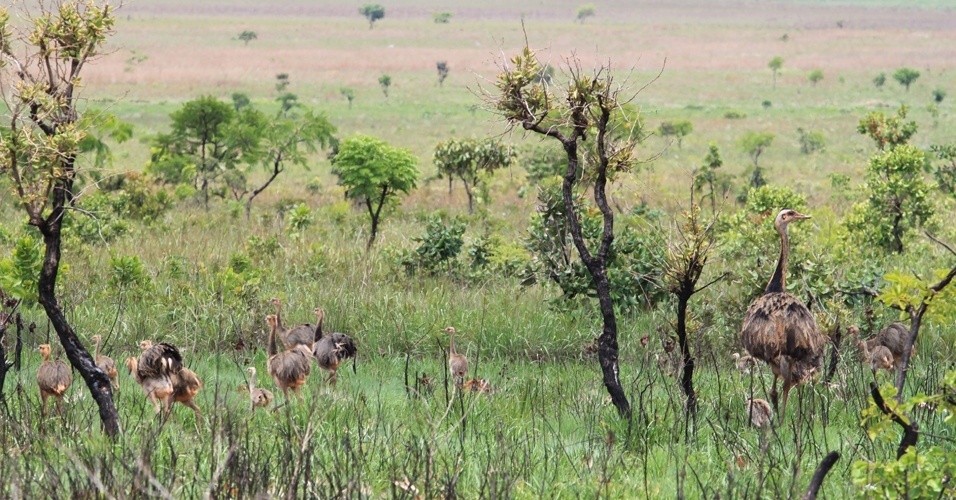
[
  {"x": 585, "y": 11},
  {"x": 583, "y": 112},
  {"x": 442, "y": 17},
  {"x": 385, "y": 81},
  {"x": 349, "y": 94},
  {"x": 708, "y": 175},
  {"x": 248, "y": 36},
  {"x": 282, "y": 82},
  {"x": 879, "y": 80},
  {"x": 471, "y": 160},
  {"x": 946, "y": 173},
  {"x": 775, "y": 65},
  {"x": 40, "y": 139},
  {"x": 906, "y": 77},
  {"x": 240, "y": 100},
  {"x": 374, "y": 173},
  {"x": 939, "y": 95},
  {"x": 755, "y": 143},
  {"x": 815, "y": 76},
  {"x": 373, "y": 12},
  {"x": 443, "y": 70},
  {"x": 896, "y": 199},
  {"x": 887, "y": 132},
  {"x": 812, "y": 141},
  {"x": 678, "y": 129},
  {"x": 287, "y": 101}
]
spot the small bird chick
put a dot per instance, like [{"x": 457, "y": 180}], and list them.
[
  {"x": 759, "y": 411},
  {"x": 881, "y": 358},
  {"x": 744, "y": 363}
]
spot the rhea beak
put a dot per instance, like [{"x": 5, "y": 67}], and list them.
[{"x": 800, "y": 216}]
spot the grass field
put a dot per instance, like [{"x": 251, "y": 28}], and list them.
[{"x": 548, "y": 428}]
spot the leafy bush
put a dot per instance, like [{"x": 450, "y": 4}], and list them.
[
  {"x": 300, "y": 218},
  {"x": 770, "y": 199},
  {"x": 20, "y": 271},
  {"x": 438, "y": 248},
  {"x": 812, "y": 141},
  {"x": 735, "y": 115},
  {"x": 127, "y": 273}
]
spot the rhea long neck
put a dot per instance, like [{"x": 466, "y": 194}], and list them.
[
  {"x": 272, "y": 340},
  {"x": 778, "y": 282},
  {"x": 252, "y": 380},
  {"x": 451, "y": 344}
]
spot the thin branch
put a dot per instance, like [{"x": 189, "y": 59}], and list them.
[{"x": 937, "y": 240}]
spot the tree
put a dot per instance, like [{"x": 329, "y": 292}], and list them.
[
  {"x": 879, "y": 80},
  {"x": 585, "y": 11},
  {"x": 812, "y": 141},
  {"x": 945, "y": 174},
  {"x": 679, "y": 129},
  {"x": 442, "y": 17},
  {"x": 374, "y": 173},
  {"x": 282, "y": 82},
  {"x": 775, "y": 64},
  {"x": 939, "y": 95},
  {"x": 708, "y": 175},
  {"x": 755, "y": 143},
  {"x": 906, "y": 77},
  {"x": 815, "y": 76},
  {"x": 887, "y": 132},
  {"x": 471, "y": 160},
  {"x": 209, "y": 138},
  {"x": 373, "y": 12},
  {"x": 289, "y": 140},
  {"x": 39, "y": 146},
  {"x": 443, "y": 70},
  {"x": 897, "y": 199},
  {"x": 287, "y": 101},
  {"x": 248, "y": 36},
  {"x": 385, "y": 81},
  {"x": 240, "y": 100},
  {"x": 583, "y": 111},
  {"x": 349, "y": 94}
]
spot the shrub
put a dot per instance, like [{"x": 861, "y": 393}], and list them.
[
  {"x": 812, "y": 141},
  {"x": 438, "y": 248}
]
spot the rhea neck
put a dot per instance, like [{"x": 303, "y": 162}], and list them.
[{"x": 778, "y": 282}]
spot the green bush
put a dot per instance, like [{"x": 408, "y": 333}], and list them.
[{"x": 438, "y": 248}]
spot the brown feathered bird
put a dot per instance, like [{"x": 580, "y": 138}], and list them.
[
  {"x": 186, "y": 385},
  {"x": 457, "y": 363},
  {"x": 779, "y": 329},
  {"x": 155, "y": 370},
  {"x": 106, "y": 364},
  {"x": 289, "y": 369},
  {"x": 744, "y": 364},
  {"x": 893, "y": 337},
  {"x": 53, "y": 378},
  {"x": 258, "y": 398},
  {"x": 291, "y": 337},
  {"x": 330, "y": 350},
  {"x": 759, "y": 412},
  {"x": 881, "y": 359}
]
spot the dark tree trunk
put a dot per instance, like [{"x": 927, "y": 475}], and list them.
[
  {"x": 375, "y": 215},
  {"x": 5, "y": 365},
  {"x": 276, "y": 170},
  {"x": 821, "y": 474},
  {"x": 471, "y": 197},
  {"x": 910, "y": 429},
  {"x": 97, "y": 381},
  {"x": 687, "y": 374},
  {"x": 597, "y": 267},
  {"x": 916, "y": 320}
]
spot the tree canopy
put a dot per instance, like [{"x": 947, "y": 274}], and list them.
[
  {"x": 470, "y": 160},
  {"x": 373, "y": 12},
  {"x": 906, "y": 77},
  {"x": 374, "y": 173}
]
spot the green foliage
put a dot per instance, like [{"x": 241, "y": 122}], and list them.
[
  {"x": 735, "y": 115},
  {"x": 903, "y": 290},
  {"x": 471, "y": 160},
  {"x": 385, "y": 81},
  {"x": 282, "y": 82},
  {"x": 248, "y": 36},
  {"x": 945, "y": 173},
  {"x": 939, "y": 95},
  {"x": 679, "y": 129},
  {"x": 775, "y": 65},
  {"x": 812, "y": 141},
  {"x": 879, "y": 80},
  {"x": 101, "y": 126},
  {"x": 442, "y": 17},
  {"x": 585, "y": 11},
  {"x": 373, "y": 12},
  {"x": 287, "y": 101},
  {"x": 632, "y": 262},
  {"x": 815, "y": 76},
  {"x": 128, "y": 274},
  {"x": 924, "y": 471},
  {"x": 888, "y": 133},
  {"x": 906, "y": 77},
  {"x": 897, "y": 200},
  {"x": 708, "y": 175},
  {"x": 438, "y": 248},
  {"x": 240, "y": 100},
  {"x": 300, "y": 218},
  {"x": 755, "y": 143},
  {"x": 349, "y": 94},
  {"x": 769, "y": 199},
  {"x": 543, "y": 162},
  {"x": 19, "y": 272},
  {"x": 374, "y": 173}
]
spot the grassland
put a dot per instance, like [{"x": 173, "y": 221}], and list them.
[{"x": 548, "y": 428}]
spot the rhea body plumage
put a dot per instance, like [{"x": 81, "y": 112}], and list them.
[
  {"x": 330, "y": 350},
  {"x": 155, "y": 370},
  {"x": 457, "y": 362},
  {"x": 291, "y": 337},
  {"x": 105, "y": 363},
  {"x": 893, "y": 337},
  {"x": 258, "y": 398},
  {"x": 288, "y": 369},
  {"x": 53, "y": 378},
  {"x": 779, "y": 329}
]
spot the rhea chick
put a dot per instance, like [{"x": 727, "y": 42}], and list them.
[{"x": 457, "y": 363}]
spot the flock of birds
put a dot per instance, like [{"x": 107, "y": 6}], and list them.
[
  {"x": 778, "y": 329},
  {"x": 160, "y": 372}
]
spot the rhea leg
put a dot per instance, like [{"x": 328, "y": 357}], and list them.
[
  {"x": 43, "y": 397},
  {"x": 773, "y": 395},
  {"x": 786, "y": 392}
]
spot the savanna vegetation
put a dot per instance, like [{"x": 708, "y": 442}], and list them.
[{"x": 161, "y": 182}]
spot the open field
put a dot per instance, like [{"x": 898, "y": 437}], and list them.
[{"x": 201, "y": 278}]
